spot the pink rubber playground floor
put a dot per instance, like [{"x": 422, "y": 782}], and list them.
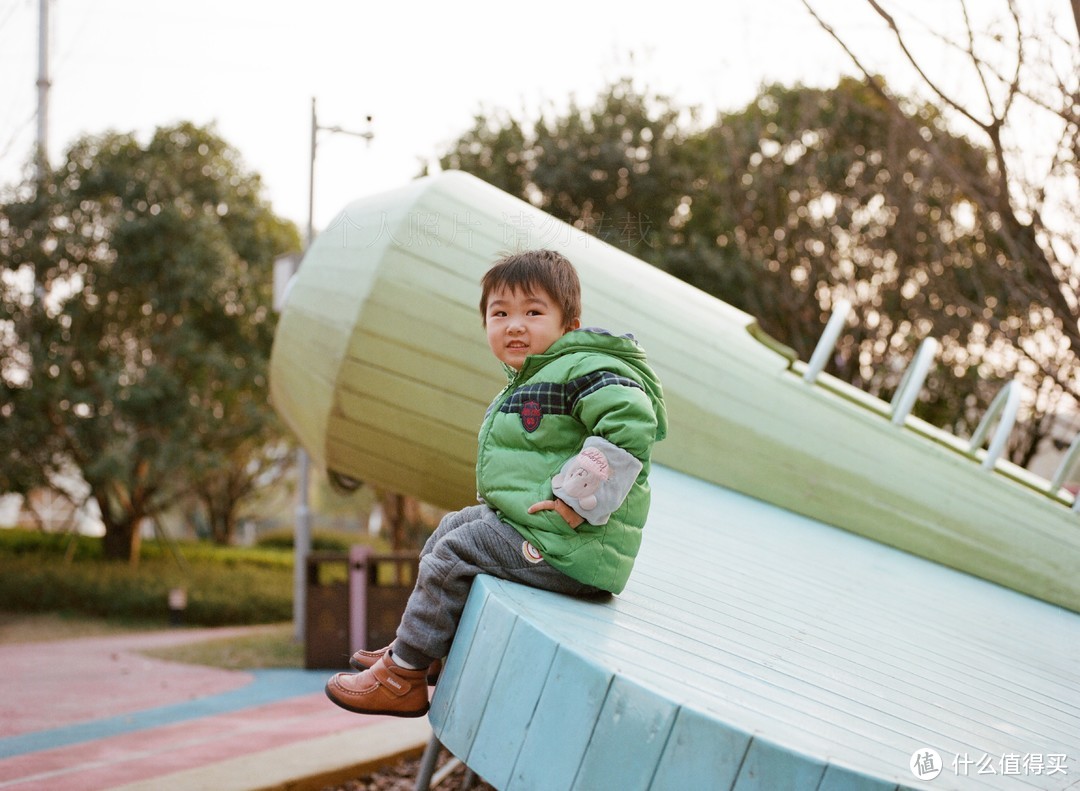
[{"x": 94, "y": 713}]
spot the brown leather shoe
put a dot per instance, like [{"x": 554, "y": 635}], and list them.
[
  {"x": 362, "y": 660},
  {"x": 384, "y": 688}
]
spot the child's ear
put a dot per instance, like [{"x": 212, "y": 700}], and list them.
[{"x": 573, "y": 324}]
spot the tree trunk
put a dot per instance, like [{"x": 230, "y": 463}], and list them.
[
  {"x": 122, "y": 538},
  {"x": 121, "y": 542},
  {"x": 220, "y": 519},
  {"x": 394, "y": 519}
]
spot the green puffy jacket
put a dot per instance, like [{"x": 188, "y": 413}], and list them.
[{"x": 588, "y": 386}]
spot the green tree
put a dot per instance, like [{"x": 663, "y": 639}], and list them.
[
  {"x": 136, "y": 322},
  {"x": 781, "y": 208},
  {"x": 254, "y": 455},
  {"x": 808, "y": 196},
  {"x": 1022, "y": 107},
  {"x": 612, "y": 169}
]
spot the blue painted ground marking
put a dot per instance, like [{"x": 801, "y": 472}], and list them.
[{"x": 268, "y": 686}]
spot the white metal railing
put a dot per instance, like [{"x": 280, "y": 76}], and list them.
[
  {"x": 1004, "y": 407},
  {"x": 1006, "y": 402},
  {"x": 911, "y": 383},
  {"x": 827, "y": 342},
  {"x": 1068, "y": 463}
]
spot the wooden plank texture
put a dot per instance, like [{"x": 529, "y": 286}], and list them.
[
  {"x": 566, "y": 714},
  {"x": 515, "y": 691},
  {"x": 774, "y": 652},
  {"x": 755, "y": 646},
  {"x": 631, "y": 732},
  {"x": 700, "y": 746},
  {"x": 384, "y": 311}
]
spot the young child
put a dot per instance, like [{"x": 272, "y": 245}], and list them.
[{"x": 561, "y": 473}]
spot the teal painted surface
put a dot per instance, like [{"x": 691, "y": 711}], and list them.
[
  {"x": 700, "y": 746},
  {"x": 566, "y": 713},
  {"x": 628, "y": 739},
  {"x": 489, "y": 641},
  {"x": 839, "y": 779},
  {"x": 447, "y": 689},
  {"x": 517, "y": 686},
  {"x": 772, "y": 649},
  {"x": 768, "y": 767}
]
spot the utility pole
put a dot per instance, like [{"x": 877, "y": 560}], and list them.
[
  {"x": 366, "y": 135},
  {"x": 302, "y": 537},
  {"x": 43, "y": 85}
]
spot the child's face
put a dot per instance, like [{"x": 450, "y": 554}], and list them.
[{"x": 521, "y": 323}]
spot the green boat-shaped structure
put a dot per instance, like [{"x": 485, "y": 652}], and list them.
[{"x": 806, "y": 670}]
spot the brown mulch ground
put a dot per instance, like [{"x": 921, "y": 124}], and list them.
[{"x": 402, "y": 777}]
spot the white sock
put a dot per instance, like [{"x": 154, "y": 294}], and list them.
[{"x": 397, "y": 660}]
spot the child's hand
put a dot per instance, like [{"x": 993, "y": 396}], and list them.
[{"x": 571, "y": 517}]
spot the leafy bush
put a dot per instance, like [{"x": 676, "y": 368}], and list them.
[
  {"x": 20, "y": 542},
  {"x": 321, "y": 540},
  {"x": 225, "y": 585},
  {"x": 50, "y": 572}
]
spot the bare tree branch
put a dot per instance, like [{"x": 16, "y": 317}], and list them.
[
  {"x": 1017, "y": 88},
  {"x": 878, "y": 86},
  {"x": 1042, "y": 260},
  {"x": 915, "y": 64},
  {"x": 970, "y": 52}
]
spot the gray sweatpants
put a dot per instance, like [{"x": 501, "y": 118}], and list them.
[{"x": 467, "y": 542}]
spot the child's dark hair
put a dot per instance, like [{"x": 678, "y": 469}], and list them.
[{"x": 533, "y": 270}]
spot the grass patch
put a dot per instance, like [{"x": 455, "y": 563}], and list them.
[
  {"x": 20, "y": 627},
  {"x": 268, "y": 647}
]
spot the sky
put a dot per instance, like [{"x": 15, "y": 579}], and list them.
[{"x": 420, "y": 70}]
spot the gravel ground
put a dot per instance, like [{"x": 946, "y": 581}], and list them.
[{"x": 402, "y": 777}]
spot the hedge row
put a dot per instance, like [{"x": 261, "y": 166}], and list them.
[
  {"x": 217, "y": 594},
  {"x": 41, "y": 572}
]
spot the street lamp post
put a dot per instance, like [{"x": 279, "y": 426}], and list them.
[{"x": 302, "y": 539}]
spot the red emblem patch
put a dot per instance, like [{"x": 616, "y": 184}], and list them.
[{"x": 531, "y": 415}]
